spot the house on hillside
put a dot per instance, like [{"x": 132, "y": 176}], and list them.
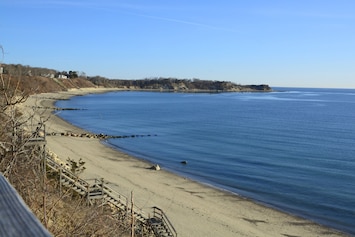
[{"x": 61, "y": 76}]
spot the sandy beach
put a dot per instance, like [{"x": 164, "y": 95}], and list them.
[{"x": 194, "y": 209}]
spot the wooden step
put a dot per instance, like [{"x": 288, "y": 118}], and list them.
[
  {"x": 95, "y": 197},
  {"x": 79, "y": 190},
  {"x": 66, "y": 183},
  {"x": 141, "y": 219}
]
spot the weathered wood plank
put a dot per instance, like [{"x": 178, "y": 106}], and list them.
[{"x": 16, "y": 219}]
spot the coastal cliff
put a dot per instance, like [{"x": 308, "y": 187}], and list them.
[
  {"x": 39, "y": 80},
  {"x": 179, "y": 85}
]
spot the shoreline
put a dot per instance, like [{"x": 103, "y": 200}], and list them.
[{"x": 195, "y": 209}]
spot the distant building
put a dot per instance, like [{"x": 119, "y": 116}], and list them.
[
  {"x": 61, "y": 76},
  {"x": 1, "y": 70}
]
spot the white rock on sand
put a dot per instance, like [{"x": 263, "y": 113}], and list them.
[{"x": 194, "y": 209}]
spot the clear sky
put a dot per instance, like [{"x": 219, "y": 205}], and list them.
[{"x": 297, "y": 43}]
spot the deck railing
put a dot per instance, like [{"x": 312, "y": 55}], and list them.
[
  {"x": 16, "y": 219},
  {"x": 160, "y": 215}
]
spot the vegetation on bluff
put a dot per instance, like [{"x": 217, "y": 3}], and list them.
[
  {"x": 50, "y": 80},
  {"x": 174, "y": 84}
]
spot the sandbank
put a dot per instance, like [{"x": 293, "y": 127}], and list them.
[{"x": 193, "y": 208}]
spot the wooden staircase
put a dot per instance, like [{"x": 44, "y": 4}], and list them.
[
  {"x": 100, "y": 191},
  {"x": 158, "y": 224},
  {"x": 161, "y": 225}
]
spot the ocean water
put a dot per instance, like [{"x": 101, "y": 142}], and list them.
[{"x": 292, "y": 149}]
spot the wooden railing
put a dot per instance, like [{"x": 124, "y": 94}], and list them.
[
  {"x": 102, "y": 190},
  {"x": 67, "y": 177},
  {"x": 37, "y": 137},
  {"x": 16, "y": 219},
  {"x": 158, "y": 214}
]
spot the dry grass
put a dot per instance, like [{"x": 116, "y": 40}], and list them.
[{"x": 37, "y": 84}]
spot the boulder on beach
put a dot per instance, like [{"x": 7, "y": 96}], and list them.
[{"x": 155, "y": 167}]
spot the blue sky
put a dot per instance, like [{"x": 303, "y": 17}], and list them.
[{"x": 297, "y": 43}]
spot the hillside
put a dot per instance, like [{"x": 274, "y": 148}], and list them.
[
  {"x": 39, "y": 80},
  {"x": 174, "y": 84},
  {"x": 38, "y": 84}
]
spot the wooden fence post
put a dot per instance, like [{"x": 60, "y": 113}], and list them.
[
  {"x": 102, "y": 193},
  {"x": 132, "y": 214},
  {"x": 88, "y": 195},
  {"x": 60, "y": 182}
]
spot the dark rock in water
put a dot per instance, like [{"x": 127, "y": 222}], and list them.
[{"x": 184, "y": 162}]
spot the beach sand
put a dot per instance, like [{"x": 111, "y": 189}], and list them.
[{"x": 194, "y": 209}]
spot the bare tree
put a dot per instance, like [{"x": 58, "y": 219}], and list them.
[{"x": 11, "y": 130}]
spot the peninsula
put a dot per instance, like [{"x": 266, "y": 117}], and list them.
[{"x": 50, "y": 80}]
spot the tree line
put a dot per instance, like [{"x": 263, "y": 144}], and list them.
[
  {"x": 25, "y": 70},
  {"x": 156, "y": 83},
  {"x": 176, "y": 84}
]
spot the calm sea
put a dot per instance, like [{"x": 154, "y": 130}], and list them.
[{"x": 293, "y": 149}]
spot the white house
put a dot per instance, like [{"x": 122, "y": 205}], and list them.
[{"x": 60, "y": 76}]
